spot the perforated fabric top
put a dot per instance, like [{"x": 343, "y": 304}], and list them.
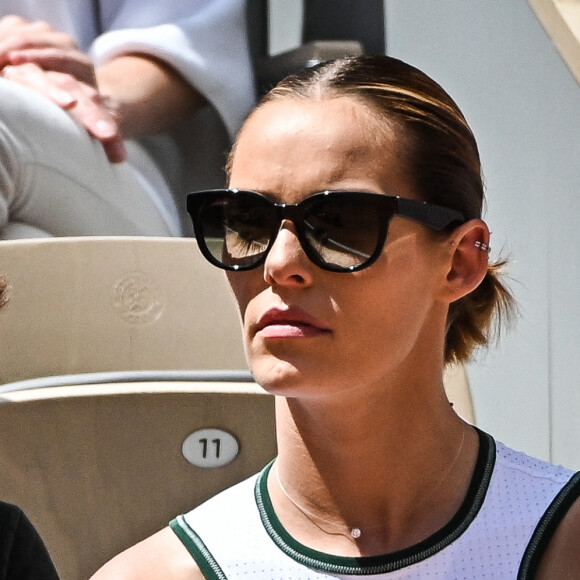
[{"x": 237, "y": 534}]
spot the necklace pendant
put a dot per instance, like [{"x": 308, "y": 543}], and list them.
[{"x": 355, "y": 533}]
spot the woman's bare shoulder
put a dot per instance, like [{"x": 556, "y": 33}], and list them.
[
  {"x": 161, "y": 556},
  {"x": 562, "y": 558}
]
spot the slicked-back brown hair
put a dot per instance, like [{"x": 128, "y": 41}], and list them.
[{"x": 439, "y": 154}]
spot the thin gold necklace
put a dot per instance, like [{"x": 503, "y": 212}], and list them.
[{"x": 356, "y": 532}]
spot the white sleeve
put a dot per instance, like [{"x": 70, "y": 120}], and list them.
[{"x": 205, "y": 40}]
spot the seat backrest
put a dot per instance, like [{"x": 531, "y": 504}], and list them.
[
  {"x": 360, "y": 20},
  {"x": 97, "y": 469},
  {"x": 354, "y": 20},
  {"x": 457, "y": 388},
  {"x": 331, "y": 29},
  {"x": 79, "y": 305}
]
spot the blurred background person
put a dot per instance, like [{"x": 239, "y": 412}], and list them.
[{"x": 86, "y": 84}]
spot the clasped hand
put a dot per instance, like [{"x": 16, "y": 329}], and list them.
[{"x": 35, "y": 55}]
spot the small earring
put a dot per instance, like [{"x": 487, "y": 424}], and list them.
[{"x": 482, "y": 246}]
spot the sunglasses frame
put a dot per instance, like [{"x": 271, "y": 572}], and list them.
[{"x": 435, "y": 216}]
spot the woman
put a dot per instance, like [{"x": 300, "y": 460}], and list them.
[{"x": 376, "y": 475}]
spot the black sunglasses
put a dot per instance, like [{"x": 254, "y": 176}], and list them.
[{"x": 340, "y": 231}]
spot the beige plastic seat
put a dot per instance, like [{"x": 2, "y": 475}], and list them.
[
  {"x": 98, "y": 465},
  {"x": 91, "y": 304},
  {"x": 98, "y": 468},
  {"x": 456, "y": 384}
]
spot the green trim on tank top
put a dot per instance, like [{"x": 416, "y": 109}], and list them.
[
  {"x": 198, "y": 550},
  {"x": 368, "y": 565},
  {"x": 547, "y": 526}
]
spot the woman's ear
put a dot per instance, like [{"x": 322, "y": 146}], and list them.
[{"x": 468, "y": 263}]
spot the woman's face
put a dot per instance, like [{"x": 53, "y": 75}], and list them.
[{"x": 311, "y": 332}]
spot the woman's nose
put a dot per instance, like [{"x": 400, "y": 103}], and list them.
[{"x": 286, "y": 262}]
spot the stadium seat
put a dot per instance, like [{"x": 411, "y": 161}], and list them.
[
  {"x": 98, "y": 304},
  {"x": 99, "y": 467}
]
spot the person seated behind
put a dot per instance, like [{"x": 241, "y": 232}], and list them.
[
  {"x": 23, "y": 555},
  {"x": 353, "y": 242},
  {"x": 83, "y": 83}
]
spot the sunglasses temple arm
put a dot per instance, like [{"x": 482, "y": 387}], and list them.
[{"x": 434, "y": 216}]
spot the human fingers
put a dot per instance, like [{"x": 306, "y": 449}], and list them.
[
  {"x": 81, "y": 100},
  {"x": 115, "y": 150},
  {"x": 70, "y": 61},
  {"x": 32, "y": 33},
  {"x": 17, "y": 33},
  {"x": 33, "y": 77},
  {"x": 11, "y": 21},
  {"x": 97, "y": 116}
]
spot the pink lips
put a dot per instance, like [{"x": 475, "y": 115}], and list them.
[{"x": 289, "y": 323}]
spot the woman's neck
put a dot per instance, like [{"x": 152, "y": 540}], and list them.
[{"x": 397, "y": 471}]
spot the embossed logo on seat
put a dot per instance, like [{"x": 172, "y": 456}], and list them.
[{"x": 137, "y": 299}]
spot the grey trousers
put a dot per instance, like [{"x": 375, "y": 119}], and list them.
[{"x": 55, "y": 180}]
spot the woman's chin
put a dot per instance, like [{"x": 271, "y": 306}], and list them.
[{"x": 277, "y": 376}]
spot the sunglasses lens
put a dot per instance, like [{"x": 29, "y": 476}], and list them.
[
  {"x": 344, "y": 232},
  {"x": 339, "y": 231},
  {"x": 237, "y": 229}
]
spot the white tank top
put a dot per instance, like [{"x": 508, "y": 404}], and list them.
[{"x": 513, "y": 504}]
